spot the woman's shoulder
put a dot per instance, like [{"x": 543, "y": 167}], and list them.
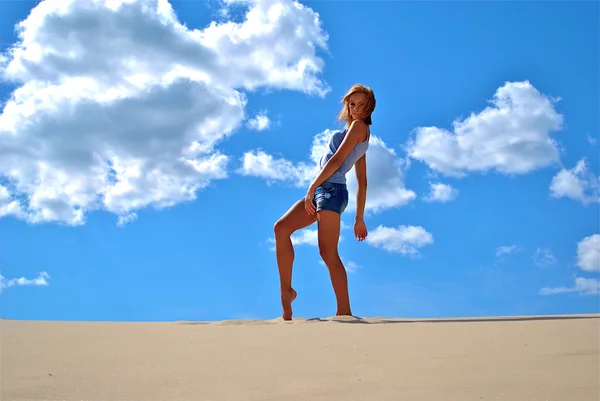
[
  {"x": 360, "y": 129},
  {"x": 360, "y": 124}
]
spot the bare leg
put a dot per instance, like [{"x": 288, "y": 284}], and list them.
[
  {"x": 329, "y": 234},
  {"x": 294, "y": 219}
]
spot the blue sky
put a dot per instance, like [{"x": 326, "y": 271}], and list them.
[{"x": 147, "y": 150}]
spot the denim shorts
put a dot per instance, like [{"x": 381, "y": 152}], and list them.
[{"x": 331, "y": 196}]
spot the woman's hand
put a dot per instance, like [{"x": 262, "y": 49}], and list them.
[
  {"x": 308, "y": 201},
  {"x": 360, "y": 230}
]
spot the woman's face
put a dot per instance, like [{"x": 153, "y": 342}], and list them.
[{"x": 356, "y": 106}]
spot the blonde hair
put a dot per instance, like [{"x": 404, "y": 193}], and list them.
[{"x": 369, "y": 107}]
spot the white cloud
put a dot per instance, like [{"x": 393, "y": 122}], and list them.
[
  {"x": 121, "y": 107},
  {"x": 588, "y": 259},
  {"x": 543, "y": 257},
  {"x": 406, "y": 240},
  {"x": 583, "y": 286},
  {"x": 511, "y": 136},
  {"x": 319, "y": 145},
  {"x": 124, "y": 220},
  {"x": 588, "y": 253},
  {"x": 385, "y": 175},
  {"x": 8, "y": 205},
  {"x": 505, "y": 250},
  {"x": 439, "y": 192},
  {"x": 257, "y": 163},
  {"x": 591, "y": 139},
  {"x": 40, "y": 280},
  {"x": 385, "y": 172},
  {"x": 349, "y": 265},
  {"x": 259, "y": 122},
  {"x": 305, "y": 236},
  {"x": 577, "y": 183}
]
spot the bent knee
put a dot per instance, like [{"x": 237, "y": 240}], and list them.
[{"x": 281, "y": 228}]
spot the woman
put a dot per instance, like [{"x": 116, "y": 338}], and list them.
[{"x": 327, "y": 198}]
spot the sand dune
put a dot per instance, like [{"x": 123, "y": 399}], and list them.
[{"x": 525, "y": 358}]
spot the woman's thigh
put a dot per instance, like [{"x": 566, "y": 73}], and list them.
[{"x": 294, "y": 219}]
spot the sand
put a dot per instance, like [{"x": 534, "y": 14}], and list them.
[{"x": 524, "y": 358}]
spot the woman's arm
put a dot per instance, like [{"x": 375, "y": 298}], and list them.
[
  {"x": 356, "y": 133},
  {"x": 360, "y": 229},
  {"x": 361, "y": 192}
]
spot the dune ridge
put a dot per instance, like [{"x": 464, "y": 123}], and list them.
[{"x": 388, "y": 320}]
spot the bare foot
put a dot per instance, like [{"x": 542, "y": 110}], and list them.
[{"x": 287, "y": 297}]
